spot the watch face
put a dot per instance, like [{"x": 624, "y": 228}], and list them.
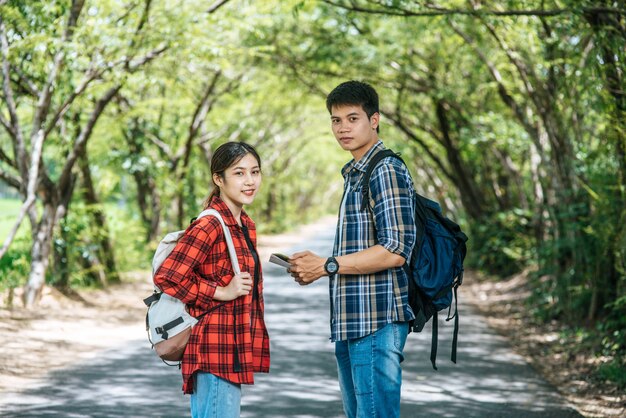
[{"x": 332, "y": 267}]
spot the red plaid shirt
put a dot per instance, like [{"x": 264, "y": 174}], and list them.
[{"x": 198, "y": 264}]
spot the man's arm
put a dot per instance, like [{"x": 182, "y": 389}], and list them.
[
  {"x": 307, "y": 267},
  {"x": 394, "y": 219}
]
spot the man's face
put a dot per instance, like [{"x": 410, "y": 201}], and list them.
[{"x": 354, "y": 131}]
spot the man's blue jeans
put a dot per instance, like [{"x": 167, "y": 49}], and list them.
[
  {"x": 370, "y": 376},
  {"x": 214, "y": 397}
]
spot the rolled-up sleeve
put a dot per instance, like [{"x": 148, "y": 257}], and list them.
[
  {"x": 178, "y": 276},
  {"x": 392, "y": 192}
]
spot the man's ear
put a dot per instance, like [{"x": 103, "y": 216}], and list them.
[{"x": 374, "y": 120}]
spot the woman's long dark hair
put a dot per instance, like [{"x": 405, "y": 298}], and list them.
[{"x": 225, "y": 156}]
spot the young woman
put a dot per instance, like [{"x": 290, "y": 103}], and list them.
[{"x": 231, "y": 342}]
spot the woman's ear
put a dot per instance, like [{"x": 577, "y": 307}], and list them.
[{"x": 217, "y": 179}]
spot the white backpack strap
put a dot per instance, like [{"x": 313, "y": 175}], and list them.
[{"x": 229, "y": 239}]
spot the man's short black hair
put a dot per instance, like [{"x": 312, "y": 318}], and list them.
[{"x": 354, "y": 93}]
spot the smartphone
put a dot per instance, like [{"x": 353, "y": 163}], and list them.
[{"x": 280, "y": 259}]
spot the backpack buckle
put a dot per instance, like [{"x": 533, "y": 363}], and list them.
[{"x": 152, "y": 298}]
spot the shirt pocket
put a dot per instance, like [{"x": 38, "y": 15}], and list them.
[{"x": 353, "y": 212}]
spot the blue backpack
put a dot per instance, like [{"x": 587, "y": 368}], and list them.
[{"x": 435, "y": 269}]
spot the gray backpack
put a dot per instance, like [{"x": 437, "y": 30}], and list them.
[{"x": 168, "y": 323}]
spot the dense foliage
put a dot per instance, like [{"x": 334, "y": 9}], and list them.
[{"x": 512, "y": 114}]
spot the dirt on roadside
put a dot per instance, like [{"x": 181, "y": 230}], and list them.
[
  {"x": 503, "y": 304},
  {"x": 61, "y": 331}
]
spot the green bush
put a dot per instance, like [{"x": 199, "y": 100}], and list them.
[
  {"x": 74, "y": 246},
  {"x": 128, "y": 239},
  {"x": 614, "y": 371},
  {"x": 614, "y": 330},
  {"x": 77, "y": 244},
  {"x": 500, "y": 244},
  {"x": 15, "y": 264}
]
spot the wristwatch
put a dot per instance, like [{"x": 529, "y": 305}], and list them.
[{"x": 331, "y": 266}]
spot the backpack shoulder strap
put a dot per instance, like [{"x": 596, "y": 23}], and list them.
[
  {"x": 420, "y": 209},
  {"x": 233, "y": 259},
  {"x": 229, "y": 239},
  {"x": 376, "y": 158}
]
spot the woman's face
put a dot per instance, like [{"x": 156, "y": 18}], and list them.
[{"x": 240, "y": 182}]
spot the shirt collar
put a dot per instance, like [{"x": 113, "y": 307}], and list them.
[
  {"x": 361, "y": 165},
  {"x": 229, "y": 219}
]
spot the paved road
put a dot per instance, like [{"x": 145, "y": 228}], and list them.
[{"x": 488, "y": 381}]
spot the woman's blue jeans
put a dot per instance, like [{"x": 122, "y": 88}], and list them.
[
  {"x": 214, "y": 397},
  {"x": 370, "y": 376}
]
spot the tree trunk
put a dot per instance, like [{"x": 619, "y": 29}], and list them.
[
  {"x": 271, "y": 203},
  {"x": 155, "y": 219},
  {"x": 470, "y": 195},
  {"x": 105, "y": 249},
  {"x": 61, "y": 266},
  {"x": 55, "y": 204},
  {"x": 148, "y": 198},
  {"x": 180, "y": 206},
  {"x": 613, "y": 29},
  {"x": 93, "y": 268},
  {"x": 513, "y": 174},
  {"x": 539, "y": 196},
  {"x": 40, "y": 252},
  {"x": 610, "y": 33}
]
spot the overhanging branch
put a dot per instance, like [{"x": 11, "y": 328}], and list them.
[
  {"x": 4, "y": 157},
  {"x": 84, "y": 135},
  {"x": 399, "y": 123},
  {"x": 135, "y": 64},
  {"x": 13, "y": 128},
  {"x": 216, "y": 6},
  {"x": 440, "y": 11},
  {"x": 43, "y": 103},
  {"x": 10, "y": 179},
  {"x": 96, "y": 74}
]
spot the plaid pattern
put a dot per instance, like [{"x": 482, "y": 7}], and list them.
[
  {"x": 198, "y": 264},
  {"x": 361, "y": 304}
]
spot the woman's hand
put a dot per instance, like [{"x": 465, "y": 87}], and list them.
[{"x": 240, "y": 285}]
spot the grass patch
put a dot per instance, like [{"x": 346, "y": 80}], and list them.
[{"x": 9, "y": 209}]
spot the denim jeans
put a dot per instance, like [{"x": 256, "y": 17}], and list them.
[
  {"x": 214, "y": 397},
  {"x": 370, "y": 376}
]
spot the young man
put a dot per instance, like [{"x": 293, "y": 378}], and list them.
[{"x": 370, "y": 313}]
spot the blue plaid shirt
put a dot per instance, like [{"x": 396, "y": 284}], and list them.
[{"x": 361, "y": 304}]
